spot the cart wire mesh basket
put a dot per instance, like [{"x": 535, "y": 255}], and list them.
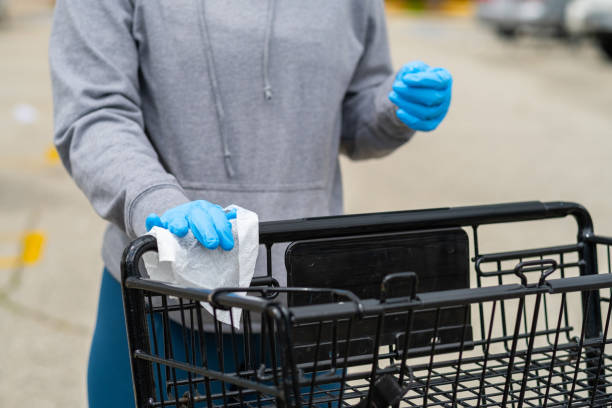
[{"x": 532, "y": 332}]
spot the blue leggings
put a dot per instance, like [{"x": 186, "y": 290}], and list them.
[{"x": 109, "y": 376}]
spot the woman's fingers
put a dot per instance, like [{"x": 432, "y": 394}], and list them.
[
  {"x": 436, "y": 78},
  {"x": 414, "y": 66},
  {"x": 421, "y": 96},
  {"x": 178, "y": 225},
  {"x": 418, "y": 124},
  {"x": 202, "y": 227},
  {"x": 153, "y": 220},
  {"x": 420, "y": 111},
  {"x": 223, "y": 227},
  {"x": 208, "y": 222},
  {"x": 231, "y": 214}
]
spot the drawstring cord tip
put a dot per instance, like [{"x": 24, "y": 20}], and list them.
[
  {"x": 268, "y": 93},
  {"x": 228, "y": 165}
]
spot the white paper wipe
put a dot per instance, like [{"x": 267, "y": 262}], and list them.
[{"x": 186, "y": 262}]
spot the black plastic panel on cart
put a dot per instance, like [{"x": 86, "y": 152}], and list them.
[{"x": 440, "y": 258}]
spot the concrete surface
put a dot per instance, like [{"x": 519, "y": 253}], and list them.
[{"x": 529, "y": 120}]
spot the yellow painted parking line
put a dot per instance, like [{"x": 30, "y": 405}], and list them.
[
  {"x": 32, "y": 244},
  {"x": 52, "y": 156},
  {"x": 32, "y": 247}
]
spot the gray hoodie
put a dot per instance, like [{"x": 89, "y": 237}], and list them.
[{"x": 160, "y": 102}]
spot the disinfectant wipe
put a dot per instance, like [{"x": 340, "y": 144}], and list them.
[{"x": 184, "y": 261}]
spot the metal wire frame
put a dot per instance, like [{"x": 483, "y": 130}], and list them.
[
  {"x": 574, "y": 373},
  {"x": 506, "y": 364}
]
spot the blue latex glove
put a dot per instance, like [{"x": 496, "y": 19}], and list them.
[
  {"x": 208, "y": 222},
  {"x": 422, "y": 94}
]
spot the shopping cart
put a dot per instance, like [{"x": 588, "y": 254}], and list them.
[{"x": 532, "y": 332}]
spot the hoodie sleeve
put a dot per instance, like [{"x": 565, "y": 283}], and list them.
[
  {"x": 370, "y": 127},
  {"x": 99, "y": 131}
]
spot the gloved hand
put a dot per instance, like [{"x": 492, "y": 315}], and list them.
[
  {"x": 422, "y": 94},
  {"x": 208, "y": 222}
]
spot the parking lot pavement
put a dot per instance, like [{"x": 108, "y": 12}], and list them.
[{"x": 529, "y": 120}]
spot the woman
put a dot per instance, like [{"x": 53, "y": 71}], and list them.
[{"x": 162, "y": 104}]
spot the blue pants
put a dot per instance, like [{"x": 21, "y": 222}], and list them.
[{"x": 109, "y": 376}]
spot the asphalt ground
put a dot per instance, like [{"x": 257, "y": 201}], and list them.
[{"x": 530, "y": 120}]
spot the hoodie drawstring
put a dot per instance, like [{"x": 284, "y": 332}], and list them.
[
  {"x": 270, "y": 15},
  {"x": 214, "y": 84}
]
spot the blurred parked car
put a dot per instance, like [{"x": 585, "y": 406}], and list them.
[
  {"x": 591, "y": 18},
  {"x": 508, "y": 17}
]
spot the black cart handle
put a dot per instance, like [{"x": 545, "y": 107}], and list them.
[{"x": 402, "y": 221}]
